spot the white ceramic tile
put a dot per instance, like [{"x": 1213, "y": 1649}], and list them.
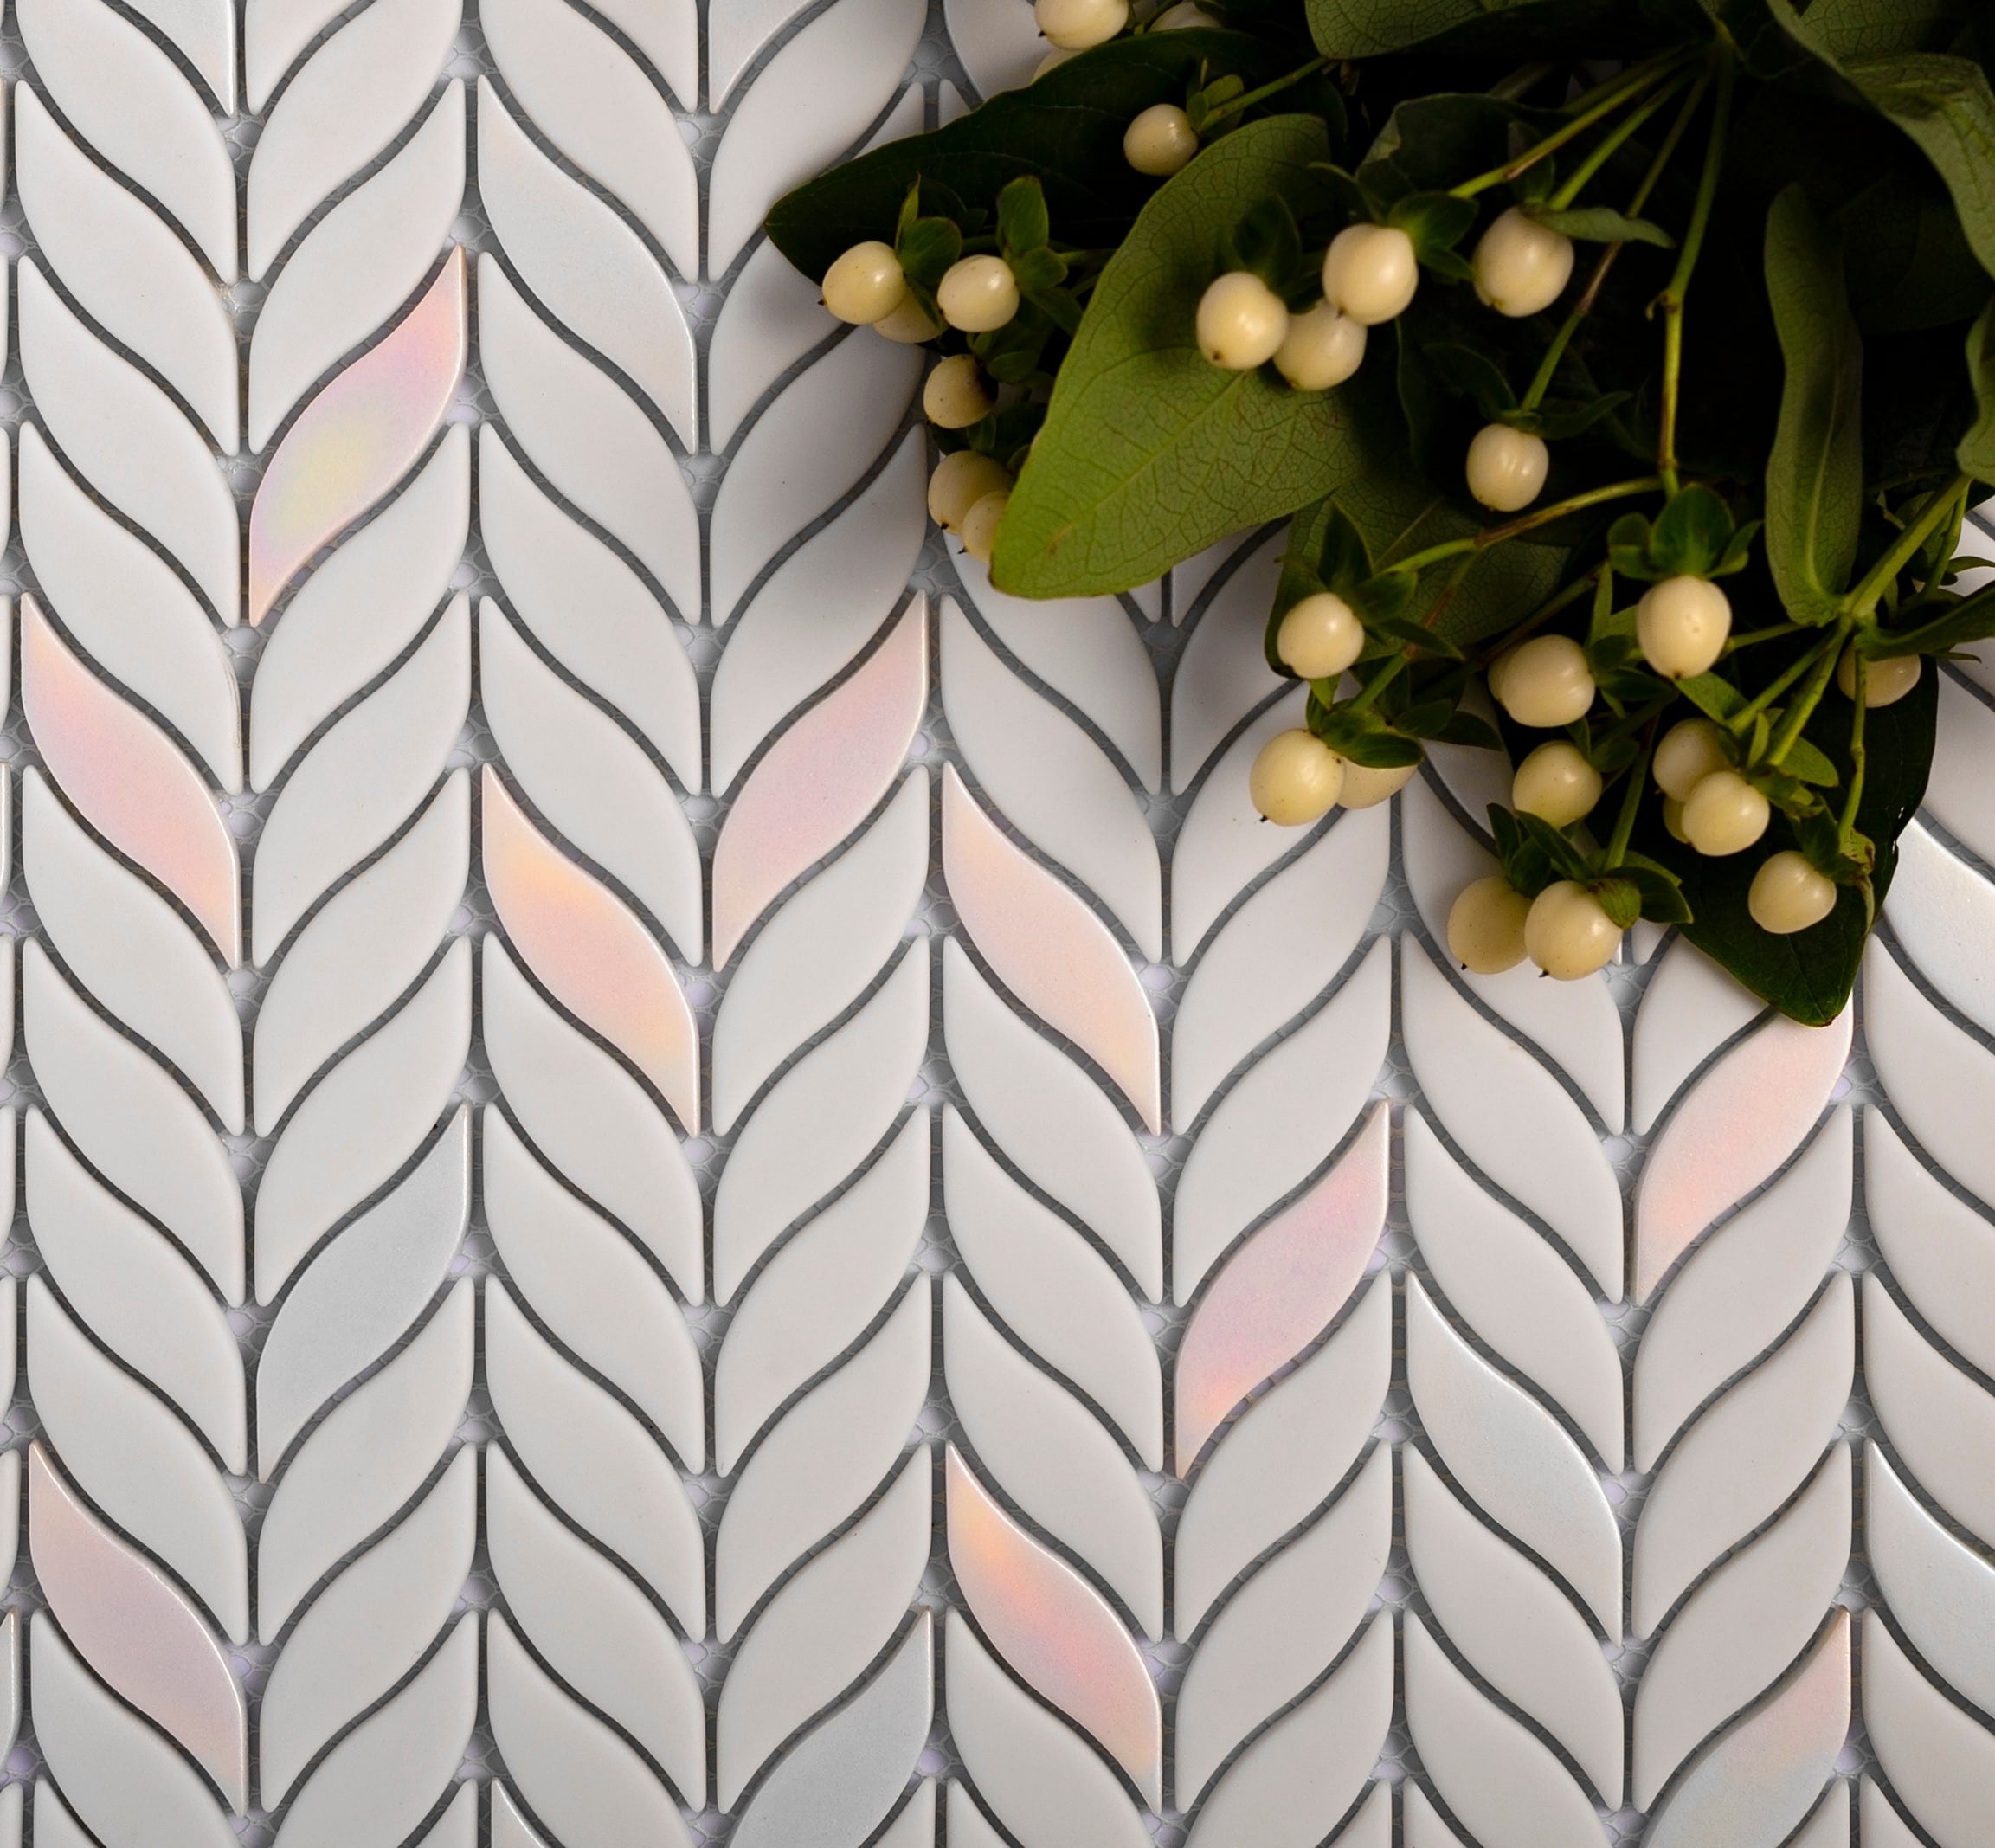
[
  {"x": 274, "y": 32},
  {"x": 1940, "y": 1250},
  {"x": 1942, "y": 913},
  {"x": 1938, "y": 1759},
  {"x": 1956, "y": 793},
  {"x": 509, "y": 1827},
  {"x": 1883, "y": 1826},
  {"x": 822, "y": 1291},
  {"x": 1744, "y": 1457},
  {"x": 593, "y": 444},
  {"x": 965, "y": 1824},
  {"x": 370, "y": 1626},
  {"x": 1940, "y": 1590},
  {"x": 821, "y": 1461},
  {"x": 915, "y": 1826},
  {"x": 1937, "y": 1077},
  {"x": 998, "y": 40},
  {"x": 1223, "y": 674},
  {"x": 1941, "y": 1423},
  {"x": 357, "y": 266},
  {"x": 818, "y": 1634},
  {"x": 368, "y": 1457},
  {"x": 1689, "y": 1009},
  {"x": 588, "y": 269},
  {"x": 54, "y": 1827},
  {"x": 1275, "y": 955},
  {"x": 593, "y": 1461},
  {"x": 205, "y": 31},
  {"x": 770, "y": 318},
  {"x": 739, "y": 37},
  {"x": 596, "y": 1628},
  {"x": 1052, "y": 1122},
  {"x": 458, "y": 1825},
  {"x": 598, "y": 108},
  {"x": 1051, "y": 781}
]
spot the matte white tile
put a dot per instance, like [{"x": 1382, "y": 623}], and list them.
[
  {"x": 1935, "y": 1075},
  {"x": 1956, "y": 792},
  {"x": 1941, "y": 1423},
  {"x": 1940, "y": 1762},
  {"x": 999, "y": 42},
  {"x": 1223, "y": 674},
  {"x": 1941, "y": 1591},
  {"x": 769, "y": 319},
  {"x": 1941, "y": 1252},
  {"x": 1689, "y": 1009}
]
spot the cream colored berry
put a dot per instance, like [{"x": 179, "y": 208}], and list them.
[
  {"x": 1691, "y": 750},
  {"x": 1522, "y": 267},
  {"x": 1185, "y": 14},
  {"x": 1682, "y": 625},
  {"x": 1370, "y": 272},
  {"x": 1076, "y": 25},
  {"x": 1725, "y": 814},
  {"x": 957, "y": 394},
  {"x": 1486, "y": 926},
  {"x": 1673, "y": 818},
  {"x": 1788, "y": 894},
  {"x": 959, "y": 482},
  {"x": 1507, "y": 467},
  {"x": 979, "y": 524},
  {"x": 909, "y": 324},
  {"x": 1885, "y": 682},
  {"x": 1322, "y": 348},
  {"x": 1320, "y": 636},
  {"x": 1241, "y": 322},
  {"x": 1567, "y": 934},
  {"x": 1160, "y": 141},
  {"x": 1296, "y": 778},
  {"x": 866, "y": 284},
  {"x": 978, "y": 294},
  {"x": 1545, "y": 682},
  {"x": 1556, "y": 783},
  {"x": 1365, "y": 788}
]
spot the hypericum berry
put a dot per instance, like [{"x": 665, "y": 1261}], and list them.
[
  {"x": 1185, "y": 13},
  {"x": 1296, "y": 778},
  {"x": 1567, "y": 934},
  {"x": 1160, "y": 141},
  {"x": 909, "y": 324},
  {"x": 1365, "y": 788},
  {"x": 1885, "y": 682},
  {"x": 1787, "y": 894},
  {"x": 957, "y": 394},
  {"x": 1691, "y": 750},
  {"x": 1320, "y": 636},
  {"x": 1323, "y": 348},
  {"x": 1556, "y": 783},
  {"x": 1507, "y": 467},
  {"x": 1370, "y": 272},
  {"x": 866, "y": 284},
  {"x": 1077, "y": 25},
  {"x": 979, "y": 526},
  {"x": 978, "y": 294},
  {"x": 1242, "y": 322},
  {"x": 959, "y": 482},
  {"x": 1522, "y": 267},
  {"x": 1486, "y": 926},
  {"x": 1682, "y": 625},
  {"x": 1544, "y": 682},
  {"x": 1725, "y": 814},
  {"x": 1673, "y": 818}
]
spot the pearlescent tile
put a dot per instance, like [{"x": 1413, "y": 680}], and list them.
[
  {"x": 1689, "y": 1009},
  {"x": 999, "y": 42},
  {"x": 1940, "y": 1421},
  {"x": 1939, "y": 1759}
]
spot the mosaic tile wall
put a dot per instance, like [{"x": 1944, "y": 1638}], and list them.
[{"x": 683, "y": 1179}]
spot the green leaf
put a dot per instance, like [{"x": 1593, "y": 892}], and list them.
[
  {"x": 1023, "y": 223},
  {"x": 1977, "y": 449},
  {"x": 1566, "y": 859},
  {"x": 1917, "y": 270},
  {"x": 1660, "y": 890},
  {"x": 1810, "y": 765},
  {"x": 1815, "y": 476},
  {"x": 1856, "y": 28},
  {"x": 1436, "y": 221},
  {"x": 926, "y": 248},
  {"x": 1945, "y": 106},
  {"x": 1465, "y": 728},
  {"x": 1265, "y": 241},
  {"x": 1600, "y": 224},
  {"x": 1149, "y": 453},
  {"x": 1362, "y": 29},
  {"x": 1473, "y": 374},
  {"x": 1714, "y": 697},
  {"x": 1690, "y": 535},
  {"x": 1968, "y": 619}
]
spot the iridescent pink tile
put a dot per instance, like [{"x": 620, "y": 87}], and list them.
[
  {"x": 1055, "y": 1629},
  {"x": 1279, "y": 1290},
  {"x": 358, "y": 437},
  {"x": 819, "y": 781},
  {"x": 137, "y": 1629},
  {"x": 130, "y": 780},
  {"x": 587, "y": 946},
  {"x": 1049, "y": 948},
  {"x": 1743, "y": 1119}
]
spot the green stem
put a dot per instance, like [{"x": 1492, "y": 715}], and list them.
[
  {"x": 1664, "y": 154},
  {"x": 1543, "y": 382},
  {"x": 1753, "y": 636},
  {"x": 1798, "y": 715},
  {"x": 1378, "y": 683},
  {"x": 1648, "y": 66},
  {"x": 1856, "y": 796},
  {"x": 1611, "y": 143},
  {"x": 1541, "y": 516},
  {"x": 1742, "y": 719},
  {"x": 1679, "y": 285},
  {"x": 1540, "y": 616},
  {"x": 1631, "y": 806},
  {"x": 1636, "y": 82},
  {"x": 1862, "y": 602},
  {"x": 1265, "y": 91}
]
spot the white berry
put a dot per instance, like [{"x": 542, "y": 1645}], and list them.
[
  {"x": 957, "y": 394},
  {"x": 1682, "y": 625},
  {"x": 1556, "y": 783},
  {"x": 1323, "y": 348},
  {"x": 866, "y": 284},
  {"x": 979, "y": 524},
  {"x": 1567, "y": 934},
  {"x": 1076, "y": 25},
  {"x": 1296, "y": 778},
  {"x": 1522, "y": 267},
  {"x": 1788, "y": 895},
  {"x": 978, "y": 294},
  {"x": 1370, "y": 272},
  {"x": 1725, "y": 814},
  {"x": 1320, "y": 636},
  {"x": 1691, "y": 750},
  {"x": 1545, "y": 682},
  {"x": 1160, "y": 141},
  {"x": 1885, "y": 682},
  {"x": 1365, "y": 788},
  {"x": 1673, "y": 818},
  {"x": 1486, "y": 926},
  {"x": 909, "y": 324},
  {"x": 1242, "y": 322},
  {"x": 1507, "y": 467},
  {"x": 959, "y": 482}
]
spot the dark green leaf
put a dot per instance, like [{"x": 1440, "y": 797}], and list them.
[
  {"x": 1428, "y": 720},
  {"x": 1660, "y": 890},
  {"x": 1856, "y": 28},
  {"x": 1465, "y": 728},
  {"x": 1564, "y": 856},
  {"x": 927, "y": 247},
  {"x": 1360, "y": 29},
  {"x": 1815, "y": 476},
  {"x": 1915, "y": 270},
  {"x": 1598, "y": 224},
  {"x": 1810, "y": 765},
  {"x": 1968, "y": 619},
  {"x": 1474, "y": 374},
  {"x": 1436, "y": 221},
  {"x": 1039, "y": 268},
  {"x": 1691, "y": 534},
  {"x": 1945, "y": 106},
  {"x": 1408, "y": 634},
  {"x": 1149, "y": 453},
  {"x": 1264, "y": 241},
  {"x": 1367, "y": 743},
  {"x": 1620, "y": 899},
  {"x": 1343, "y": 560},
  {"x": 1976, "y": 447},
  {"x": 1022, "y": 222},
  {"x": 1713, "y": 697},
  {"x": 1559, "y": 420}
]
